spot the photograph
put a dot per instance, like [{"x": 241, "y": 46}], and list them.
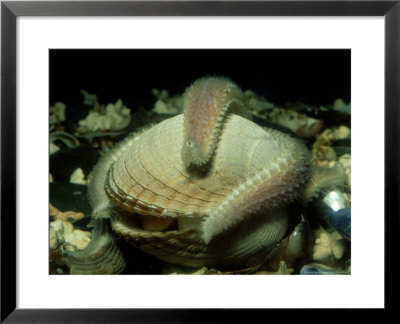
[
  {"x": 199, "y": 161},
  {"x": 147, "y": 144}
]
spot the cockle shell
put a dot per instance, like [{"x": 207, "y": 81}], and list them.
[{"x": 253, "y": 168}]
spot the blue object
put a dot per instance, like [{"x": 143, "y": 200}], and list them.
[
  {"x": 320, "y": 269},
  {"x": 341, "y": 221}
]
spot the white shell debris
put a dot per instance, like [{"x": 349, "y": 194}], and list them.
[
  {"x": 57, "y": 113},
  {"x": 115, "y": 117},
  {"x": 258, "y": 104},
  {"x": 53, "y": 239},
  {"x": 341, "y": 132},
  {"x": 328, "y": 244},
  {"x": 340, "y": 105},
  {"x": 299, "y": 123},
  {"x": 322, "y": 151},
  {"x": 63, "y": 233},
  {"x": 78, "y": 177},
  {"x": 166, "y": 104},
  {"x": 89, "y": 99},
  {"x": 77, "y": 239},
  {"x": 345, "y": 161},
  {"x": 53, "y": 148}
]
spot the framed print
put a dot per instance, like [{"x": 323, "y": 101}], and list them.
[{"x": 196, "y": 155}]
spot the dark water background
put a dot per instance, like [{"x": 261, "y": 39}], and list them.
[{"x": 315, "y": 77}]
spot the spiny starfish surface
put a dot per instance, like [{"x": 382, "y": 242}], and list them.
[{"x": 206, "y": 104}]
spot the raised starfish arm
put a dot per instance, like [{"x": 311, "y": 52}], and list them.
[{"x": 206, "y": 102}]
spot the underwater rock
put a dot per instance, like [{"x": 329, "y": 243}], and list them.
[{"x": 341, "y": 221}]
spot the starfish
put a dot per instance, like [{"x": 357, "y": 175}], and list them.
[
  {"x": 206, "y": 105},
  {"x": 206, "y": 102}
]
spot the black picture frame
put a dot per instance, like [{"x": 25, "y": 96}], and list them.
[{"x": 10, "y": 10}]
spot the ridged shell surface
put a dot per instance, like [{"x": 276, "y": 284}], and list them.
[{"x": 150, "y": 178}]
